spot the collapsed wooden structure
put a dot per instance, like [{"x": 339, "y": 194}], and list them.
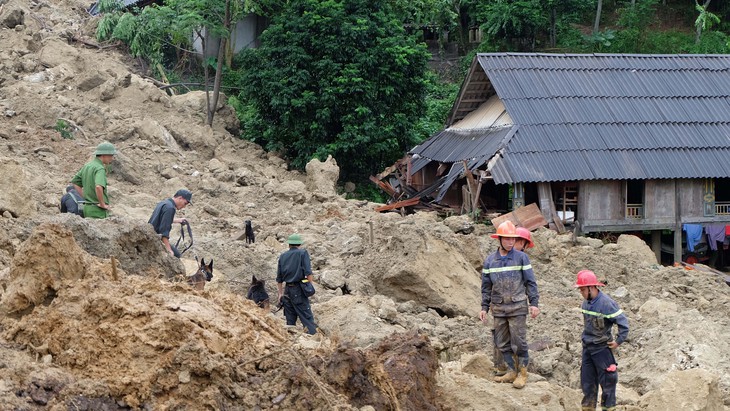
[{"x": 602, "y": 143}]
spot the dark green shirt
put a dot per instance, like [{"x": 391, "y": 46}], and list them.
[{"x": 92, "y": 174}]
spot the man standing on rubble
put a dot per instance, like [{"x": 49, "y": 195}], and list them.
[
  {"x": 508, "y": 285},
  {"x": 163, "y": 217},
  {"x": 598, "y": 364},
  {"x": 91, "y": 181},
  {"x": 294, "y": 267},
  {"x": 523, "y": 240}
]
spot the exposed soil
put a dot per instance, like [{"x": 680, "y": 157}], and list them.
[{"x": 96, "y": 316}]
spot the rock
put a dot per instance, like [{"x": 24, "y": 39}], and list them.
[
  {"x": 16, "y": 199},
  {"x": 692, "y": 390},
  {"x": 620, "y": 293},
  {"x": 332, "y": 279},
  {"x": 479, "y": 365},
  {"x": 13, "y": 18},
  {"x": 91, "y": 81},
  {"x": 460, "y": 224},
  {"x": 350, "y": 187},
  {"x": 322, "y": 176}
]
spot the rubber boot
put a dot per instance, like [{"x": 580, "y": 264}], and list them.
[
  {"x": 521, "y": 379},
  {"x": 509, "y": 377}
]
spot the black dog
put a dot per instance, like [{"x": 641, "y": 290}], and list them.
[
  {"x": 250, "y": 236},
  {"x": 257, "y": 293}
]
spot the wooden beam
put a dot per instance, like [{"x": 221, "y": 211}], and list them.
[
  {"x": 400, "y": 204},
  {"x": 384, "y": 186}
]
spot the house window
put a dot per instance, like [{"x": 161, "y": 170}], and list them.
[
  {"x": 635, "y": 199},
  {"x": 722, "y": 196}
]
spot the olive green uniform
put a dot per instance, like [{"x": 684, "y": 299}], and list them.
[{"x": 92, "y": 174}]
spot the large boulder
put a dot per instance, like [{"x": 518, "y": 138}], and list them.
[
  {"x": 436, "y": 275},
  {"x": 16, "y": 198},
  {"x": 322, "y": 176},
  {"x": 692, "y": 390}
]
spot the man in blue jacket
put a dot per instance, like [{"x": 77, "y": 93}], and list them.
[
  {"x": 598, "y": 365},
  {"x": 510, "y": 290},
  {"x": 295, "y": 266},
  {"x": 163, "y": 217}
]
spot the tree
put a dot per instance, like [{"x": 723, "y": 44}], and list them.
[
  {"x": 175, "y": 24},
  {"x": 705, "y": 20},
  {"x": 334, "y": 77},
  {"x": 517, "y": 21}
]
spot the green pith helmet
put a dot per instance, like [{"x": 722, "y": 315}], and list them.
[
  {"x": 295, "y": 239},
  {"x": 105, "y": 148}
]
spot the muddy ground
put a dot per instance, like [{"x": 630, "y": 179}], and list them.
[{"x": 95, "y": 316}]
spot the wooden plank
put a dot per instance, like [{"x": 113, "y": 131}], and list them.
[
  {"x": 384, "y": 186},
  {"x": 528, "y": 216},
  {"x": 405, "y": 203},
  {"x": 547, "y": 206}
]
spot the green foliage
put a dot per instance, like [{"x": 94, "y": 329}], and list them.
[
  {"x": 64, "y": 128},
  {"x": 634, "y": 23},
  {"x": 366, "y": 190},
  {"x": 440, "y": 97},
  {"x": 336, "y": 78},
  {"x": 600, "y": 41},
  {"x": 520, "y": 20},
  {"x": 705, "y": 20}
]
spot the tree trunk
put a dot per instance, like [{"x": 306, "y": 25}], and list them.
[
  {"x": 206, "y": 77},
  {"x": 553, "y": 31},
  {"x": 698, "y": 33},
  {"x": 219, "y": 65},
  {"x": 598, "y": 16}
]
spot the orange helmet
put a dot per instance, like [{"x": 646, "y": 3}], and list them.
[
  {"x": 522, "y": 232},
  {"x": 587, "y": 278},
  {"x": 506, "y": 229}
]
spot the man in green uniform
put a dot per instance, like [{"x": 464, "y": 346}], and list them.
[{"x": 91, "y": 181}]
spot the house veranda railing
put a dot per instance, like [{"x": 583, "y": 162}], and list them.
[
  {"x": 634, "y": 211},
  {"x": 722, "y": 208}
]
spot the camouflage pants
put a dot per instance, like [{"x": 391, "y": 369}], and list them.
[{"x": 510, "y": 337}]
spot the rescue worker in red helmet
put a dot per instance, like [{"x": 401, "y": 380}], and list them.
[
  {"x": 524, "y": 239},
  {"x": 510, "y": 290},
  {"x": 598, "y": 364}
]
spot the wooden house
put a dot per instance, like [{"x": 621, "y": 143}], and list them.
[{"x": 609, "y": 142}]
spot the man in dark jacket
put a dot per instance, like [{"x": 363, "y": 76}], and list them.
[
  {"x": 72, "y": 202},
  {"x": 508, "y": 285},
  {"x": 598, "y": 365},
  {"x": 164, "y": 216},
  {"x": 294, "y": 267}
]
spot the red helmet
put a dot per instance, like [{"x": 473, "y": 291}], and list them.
[
  {"x": 522, "y": 232},
  {"x": 506, "y": 229},
  {"x": 587, "y": 278}
]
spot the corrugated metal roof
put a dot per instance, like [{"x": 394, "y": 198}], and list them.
[
  {"x": 455, "y": 145},
  {"x": 577, "y": 165},
  {"x": 604, "y": 116}
]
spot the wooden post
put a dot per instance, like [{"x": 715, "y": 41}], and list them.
[
  {"x": 677, "y": 225},
  {"x": 547, "y": 206},
  {"x": 656, "y": 244}
]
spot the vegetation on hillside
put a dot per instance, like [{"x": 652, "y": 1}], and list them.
[{"x": 351, "y": 79}]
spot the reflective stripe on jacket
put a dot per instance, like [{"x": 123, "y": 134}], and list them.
[{"x": 508, "y": 282}]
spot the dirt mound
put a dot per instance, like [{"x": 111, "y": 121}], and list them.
[{"x": 79, "y": 335}]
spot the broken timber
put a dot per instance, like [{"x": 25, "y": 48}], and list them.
[{"x": 399, "y": 204}]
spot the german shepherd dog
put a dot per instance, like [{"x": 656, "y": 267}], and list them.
[
  {"x": 204, "y": 273},
  {"x": 250, "y": 236},
  {"x": 257, "y": 293}
]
